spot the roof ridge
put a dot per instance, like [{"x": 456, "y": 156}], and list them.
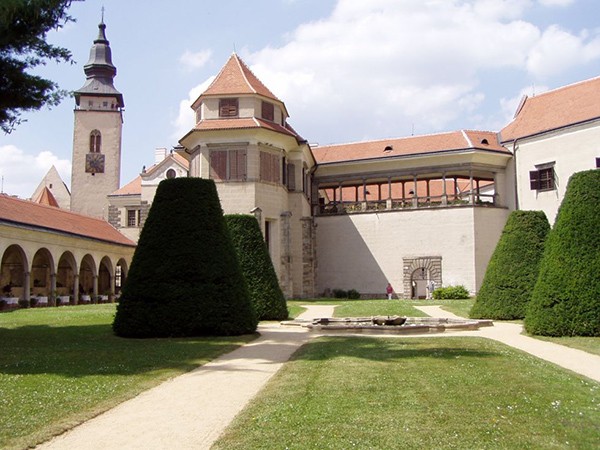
[
  {"x": 565, "y": 87},
  {"x": 391, "y": 139},
  {"x": 241, "y": 65}
]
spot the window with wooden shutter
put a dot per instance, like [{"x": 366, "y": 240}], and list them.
[
  {"x": 237, "y": 165},
  {"x": 228, "y": 107},
  {"x": 269, "y": 167},
  {"x": 218, "y": 164},
  {"x": 268, "y": 111},
  {"x": 543, "y": 178},
  {"x": 291, "y": 179},
  {"x": 546, "y": 177},
  {"x": 534, "y": 180}
]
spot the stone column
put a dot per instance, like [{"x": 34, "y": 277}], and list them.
[
  {"x": 95, "y": 288},
  {"x": 76, "y": 289},
  {"x": 52, "y": 295},
  {"x": 286, "y": 255},
  {"x": 309, "y": 260},
  {"x": 27, "y": 286}
]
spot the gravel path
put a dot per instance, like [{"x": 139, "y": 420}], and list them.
[{"x": 192, "y": 410}]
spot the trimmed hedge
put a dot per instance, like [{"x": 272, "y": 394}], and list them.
[
  {"x": 566, "y": 297},
  {"x": 185, "y": 279},
  {"x": 252, "y": 252},
  {"x": 513, "y": 268},
  {"x": 450, "y": 293}
]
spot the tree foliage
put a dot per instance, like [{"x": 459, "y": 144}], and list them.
[
  {"x": 185, "y": 279},
  {"x": 566, "y": 297},
  {"x": 23, "y": 28},
  {"x": 257, "y": 267},
  {"x": 513, "y": 269}
]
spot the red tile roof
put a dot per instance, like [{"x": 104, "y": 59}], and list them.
[
  {"x": 554, "y": 109},
  {"x": 455, "y": 140},
  {"x": 236, "y": 78},
  {"x": 46, "y": 197},
  {"x": 134, "y": 187},
  {"x": 24, "y": 212},
  {"x": 245, "y": 123}
]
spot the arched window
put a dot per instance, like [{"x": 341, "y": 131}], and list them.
[{"x": 95, "y": 141}]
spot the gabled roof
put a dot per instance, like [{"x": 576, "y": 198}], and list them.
[
  {"x": 568, "y": 105},
  {"x": 47, "y": 218},
  {"x": 45, "y": 197},
  {"x": 134, "y": 187},
  {"x": 413, "y": 145},
  {"x": 184, "y": 163}
]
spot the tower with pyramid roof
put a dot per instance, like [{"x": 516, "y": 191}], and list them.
[
  {"x": 243, "y": 141},
  {"x": 97, "y": 132}
]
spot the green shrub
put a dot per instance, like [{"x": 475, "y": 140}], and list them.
[
  {"x": 513, "y": 268},
  {"x": 265, "y": 293},
  {"x": 566, "y": 297},
  {"x": 340, "y": 293},
  {"x": 185, "y": 279},
  {"x": 450, "y": 293},
  {"x": 353, "y": 294}
]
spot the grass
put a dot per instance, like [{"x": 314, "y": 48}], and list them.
[
  {"x": 453, "y": 392},
  {"x": 61, "y": 366}
]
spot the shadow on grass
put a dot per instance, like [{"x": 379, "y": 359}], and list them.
[
  {"x": 384, "y": 350},
  {"x": 77, "y": 351}
]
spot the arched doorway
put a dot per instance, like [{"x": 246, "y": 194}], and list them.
[
  {"x": 418, "y": 282},
  {"x": 105, "y": 276},
  {"x": 12, "y": 274},
  {"x": 65, "y": 278},
  {"x": 42, "y": 268},
  {"x": 87, "y": 275}
]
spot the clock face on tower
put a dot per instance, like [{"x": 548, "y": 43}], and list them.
[{"x": 94, "y": 163}]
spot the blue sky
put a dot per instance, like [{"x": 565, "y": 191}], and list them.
[{"x": 347, "y": 70}]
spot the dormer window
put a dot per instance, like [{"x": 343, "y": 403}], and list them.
[
  {"x": 268, "y": 111},
  {"x": 95, "y": 141},
  {"x": 485, "y": 142},
  {"x": 228, "y": 107},
  {"x": 388, "y": 148}
]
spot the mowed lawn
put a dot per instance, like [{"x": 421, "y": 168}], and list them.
[
  {"x": 418, "y": 393},
  {"x": 61, "y": 366}
]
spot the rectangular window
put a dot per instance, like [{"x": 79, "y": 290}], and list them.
[
  {"x": 542, "y": 179},
  {"x": 268, "y": 111},
  {"x": 228, "y": 107},
  {"x": 131, "y": 217},
  {"x": 228, "y": 165},
  {"x": 269, "y": 167},
  {"x": 597, "y": 163}
]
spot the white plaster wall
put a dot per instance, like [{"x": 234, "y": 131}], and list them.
[
  {"x": 574, "y": 151},
  {"x": 488, "y": 225},
  {"x": 365, "y": 251}
]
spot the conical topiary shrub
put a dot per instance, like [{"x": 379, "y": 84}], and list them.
[
  {"x": 185, "y": 279},
  {"x": 257, "y": 267},
  {"x": 566, "y": 297},
  {"x": 513, "y": 269}
]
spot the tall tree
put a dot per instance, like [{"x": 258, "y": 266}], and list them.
[
  {"x": 566, "y": 298},
  {"x": 23, "y": 28}
]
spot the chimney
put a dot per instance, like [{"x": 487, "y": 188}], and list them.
[{"x": 159, "y": 155}]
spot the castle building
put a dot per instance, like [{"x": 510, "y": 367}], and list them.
[{"x": 408, "y": 211}]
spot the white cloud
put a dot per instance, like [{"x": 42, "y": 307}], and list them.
[
  {"x": 558, "y": 50},
  {"x": 195, "y": 60},
  {"x": 186, "y": 119},
  {"x": 23, "y": 172},
  {"x": 561, "y": 3},
  {"x": 374, "y": 69}
]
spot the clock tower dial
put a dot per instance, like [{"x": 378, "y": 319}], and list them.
[{"x": 94, "y": 163}]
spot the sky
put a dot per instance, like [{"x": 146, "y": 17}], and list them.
[{"x": 347, "y": 70}]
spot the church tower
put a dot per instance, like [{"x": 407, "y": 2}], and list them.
[{"x": 97, "y": 133}]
